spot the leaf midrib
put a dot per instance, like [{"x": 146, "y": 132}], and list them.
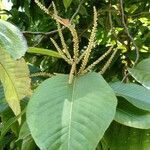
[
  {"x": 12, "y": 83},
  {"x": 70, "y": 117}
]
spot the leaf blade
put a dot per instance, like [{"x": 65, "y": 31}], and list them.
[
  {"x": 70, "y": 124},
  {"x": 14, "y": 76},
  {"x": 67, "y": 3},
  {"x": 123, "y": 137},
  {"x": 12, "y": 40},
  {"x": 142, "y": 72},
  {"x": 137, "y": 95},
  {"x": 131, "y": 116}
]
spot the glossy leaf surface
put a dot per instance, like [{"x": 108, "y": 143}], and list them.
[{"x": 12, "y": 40}]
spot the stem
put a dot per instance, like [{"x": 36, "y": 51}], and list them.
[
  {"x": 73, "y": 68},
  {"x": 42, "y": 51}
]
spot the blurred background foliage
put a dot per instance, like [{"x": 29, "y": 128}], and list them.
[{"x": 36, "y": 25}]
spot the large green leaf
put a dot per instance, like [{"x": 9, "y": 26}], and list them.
[
  {"x": 12, "y": 40},
  {"x": 14, "y": 76},
  {"x": 120, "y": 137},
  {"x": 138, "y": 95},
  {"x": 142, "y": 72},
  {"x": 63, "y": 116},
  {"x": 43, "y": 51},
  {"x": 129, "y": 115}
]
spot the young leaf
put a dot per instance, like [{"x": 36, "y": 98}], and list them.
[
  {"x": 67, "y": 3},
  {"x": 12, "y": 40},
  {"x": 64, "y": 116},
  {"x": 142, "y": 72},
  {"x": 137, "y": 95},
  {"x": 14, "y": 76}
]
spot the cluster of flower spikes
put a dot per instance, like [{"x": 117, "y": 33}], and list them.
[{"x": 77, "y": 57}]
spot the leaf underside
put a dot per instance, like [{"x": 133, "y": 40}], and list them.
[
  {"x": 14, "y": 75},
  {"x": 71, "y": 117},
  {"x": 142, "y": 72},
  {"x": 137, "y": 95}
]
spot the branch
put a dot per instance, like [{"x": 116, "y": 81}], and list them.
[
  {"x": 42, "y": 33},
  {"x": 77, "y": 10},
  {"x": 55, "y": 31},
  {"x": 110, "y": 21},
  {"x": 139, "y": 14},
  {"x": 129, "y": 35}
]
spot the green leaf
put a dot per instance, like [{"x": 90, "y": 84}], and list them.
[
  {"x": 43, "y": 51},
  {"x": 27, "y": 141},
  {"x": 5, "y": 141},
  {"x": 28, "y": 144},
  {"x": 137, "y": 95},
  {"x": 129, "y": 115},
  {"x": 102, "y": 145},
  {"x": 12, "y": 40},
  {"x": 14, "y": 76},
  {"x": 63, "y": 116},
  {"x": 67, "y": 3},
  {"x": 24, "y": 131},
  {"x": 3, "y": 104},
  {"x": 142, "y": 72},
  {"x": 9, "y": 123},
  {"x": 120, "y": 137}
]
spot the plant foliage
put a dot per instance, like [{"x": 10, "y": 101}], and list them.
[{"x": 89, "y": 73}]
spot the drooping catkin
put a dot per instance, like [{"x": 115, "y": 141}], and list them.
[
  {"x": 90, "y": 44},
  {"x": 107, "y": 64},
  {"x": 61, "y": 52},
  {"x": 98, "y": 60},
  {"x": 42, "y": 7},
  {"x": 56, "y": 17},
  {"x": 43, "y": 74}
]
